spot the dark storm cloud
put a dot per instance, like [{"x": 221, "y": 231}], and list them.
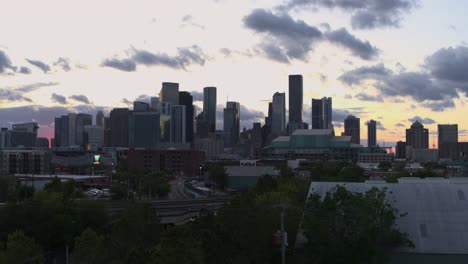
[
  {"x": 185, "y": 57},
  {"x": 39, "y": 64},
  {"x": 127, "y": 65},
  {"x": 143, "y": 98},
  {"x": 17, "y": 94},
  {"x": 63, "y": 63},
  {"x": 24, "y": 70},
  {"x": 439, "y": 106},
  {"x": 5, "y": 62},
  {"x": 425, "y": 121},
  {"x": 197, "y": 96},
  {"x": 285, "y": 39},
  {"x": 57, "y": 98},
  {"x": 294, "y": 39},
  {"x": 399, "y": 125},
  {"x": 368, "y": 97},
  {"x": 359, "y": 48},
  {"x": 80, "y": 98},
  {"x": 365, "y": 14}
]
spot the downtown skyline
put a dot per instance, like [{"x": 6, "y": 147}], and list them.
[{"x": 411, "y": 67}]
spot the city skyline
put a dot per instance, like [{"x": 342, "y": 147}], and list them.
[{"x": 366, "y": 71}]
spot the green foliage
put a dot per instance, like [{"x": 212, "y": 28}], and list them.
[
  {"x": 346, "y": 227},
  {"x": 217, "y": 174},
  {"x": 89, "y": 248},
  {"x": 156, "y": 184},
  {"x": 385, "y": 166},
  {"x": 21, "y": 249},
  {"x": 334, "y": 171}
]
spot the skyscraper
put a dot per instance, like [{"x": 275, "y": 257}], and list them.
[
  {"x": 232, "y": 123},
  {"x": 417, "y": 136},
  {"x": 119, "y": 119},
  {"x": 144, "y": 129},
  {"x": 372, "y": 133},
  {"x": 169, "y": 93},
  {"x": 209, "y": 107},
  {"x": 82, "y": 120},
  {"x": 295, "y": 99},
  {"x": 154, "y": 102},
  {"x": 178, "y": 123},
  {"x": 352, "y": 127},
  {"x": 186, "y": 99},
  {"x": 71, "y": 129},
  {"x": 57, "y": 131},
  {"x": 269, "y": 116},
  {"x": 322, "y": 113},
  {"x": 278, "y": 113},
  {"x": 447, "y": 133},
  {"x": 100, "y": 119}
]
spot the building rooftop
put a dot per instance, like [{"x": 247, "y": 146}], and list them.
[
  {"x": 243, "y": 171},
  {"x": 281, "y": 139},
  {"x": 437, "y": 211},
  {"x": 313, "y": 132}
]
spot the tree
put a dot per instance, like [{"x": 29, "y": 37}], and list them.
[
  {"x": 346, "y": 227},
  {"x": 7, "y": 188},
  {"x": 21, "y": 249},
  {"x": 385, "y": 165},
  {"x": 89, "y": 248},
  {"x": 217, "y": 174},
  {"x": 156, "y": 184}
]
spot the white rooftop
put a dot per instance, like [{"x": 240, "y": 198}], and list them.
[{"x": 437, "y": 219}]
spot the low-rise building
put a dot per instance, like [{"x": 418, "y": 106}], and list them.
[{"x": 13, "y": 161}]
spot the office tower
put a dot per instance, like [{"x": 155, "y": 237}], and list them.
[
  {"x": 417, "y": 136},
  {"x": 42, "y": 143},
  {"x": 447, "y": 133},
  {"x": 209, "y": 107},
  {"x": 400, "y": 150},
  {"x": 178, "y": 122},
  {"x": 71, "y": 129},
  {"x": 186, "y": 99},
  {"x": 295, "y": 99},
  {"x": 352, "y": 127},
  {"x": 93, "y": 135},
  {"x": 232, "y": 123},
  {"x": 57, "y": 131},
  {"x": 64, "y": 131},
  {"x": 24, "y": 135},
  {"x": 268, "y": 118},
  {"x": 278, "y": 113},
  {"x": 154, "y": 102},
  {"x": 169, "y": 93},
  {"x": 106, "y": 135},
  {"x": 144, "y": 129},
  {"x": 26, "y": 127},
  {"x": 372, "y": 133},
  {"x": 140, "y": 106},
  {"x": 100, "y": 119},
  {"x": 119, "y": 118},
  {"x": 82, "y": 120},
  {"x": 203, "y": 129},
  {"x": 322, "y": 113}
]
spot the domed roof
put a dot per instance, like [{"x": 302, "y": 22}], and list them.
[{"x": 417, "y": 124}]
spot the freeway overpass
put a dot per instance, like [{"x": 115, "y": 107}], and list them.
[{"x": 173, "y": 211}]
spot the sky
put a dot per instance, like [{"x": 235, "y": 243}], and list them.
[{"x": 394, "y": 61}]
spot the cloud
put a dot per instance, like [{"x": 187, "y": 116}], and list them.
[
  {"x": 359, "y": 48},
  {"x": 127, "y": 65},
  {"x": 80, "y": 98},
  {"x": 369, "y": 98},
  {"x": 439, "y": 106},
  {"x": 39, "y": 64},
  {"x": 64, "y": 63},
  {"x": 17, "y": 93},
  {"x": 127, "y": 102},
  {"x": 358, "y": 75},
  {"x": 143, "y": 98},
  {"x": 185, "y": 56},
  {"x": 24, "y": 70},
  {"x": 56, "y": 98},
  {"x": 5, "y": 62},
  {"x": 399, "y": 125},
  {"x": 425, "y": 121},
  {"x": 293, "y": 39},
  {"x": 365, "y": 14},
  {"x": 188, "y": 20},
  {"x": 197, "y": 96},
  {"x": 225, "y": 51}
]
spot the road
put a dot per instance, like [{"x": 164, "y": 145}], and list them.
[{"x": 177, "y": 190}]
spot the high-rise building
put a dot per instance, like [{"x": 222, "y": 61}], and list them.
[
  {"x": 42, "y": 143},
  {"x": 269, "y": 116},
  {"x": 372, "y": 133},
  {"x": 140, "y": 106},
  {"x": 209, "y": 107},
  {"x": 232, "y": 123},
  {"x": 295, "y": 98},
  {"x": 178, "y": 123},
  {"x": 447, "y": 133},
  {"x": 64, "y": 127},
  {"x": 93, "y": 135},
  {"x": 400, "y": 150},
  {"x": 71, "y": 129},
  {"x": 322, "y": 113},
  {"x": 169, "y": 93},
  {"x": 154, "y": 102},
  {"x": 21, "y": 135},
  {"x": 119, "y": 119},
  {"x": 144, "y": 129},
  {"x": 203, "y": 129},
  {"x": 186, "y": 99},
  {"x": 82, "y": 120},
  {"x": 57, "y": 132},
  {"x": 417, "y": 136},
  {"x": 352, "y": 127},
  {"x": 100, "y": 119},
  {"x": 278, "y": 113}
]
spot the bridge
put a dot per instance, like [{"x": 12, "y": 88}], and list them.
[{"x": 173, "y": 212}]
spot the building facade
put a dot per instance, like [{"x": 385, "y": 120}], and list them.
[
  {"x": 186, "y": 99},
  {"x": 322, "y": 113},
  {"x": 169, "y": 93},
  {"x": 178, "y": 124},
  {"x": 209, "y": 107},
  {"x": 231, "y": 123},
  {"x": 417, "y": 136},
  {"x": 21, "y": 161},
  {"x": 372, "y": 133},
  {"x": 295, "y": 98},
  {"x": 278, "y": 114},
  {"x": 352, "y": 128},
  {"x": 447, "y": 133},
  {"x": 119, "y": 127}
]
